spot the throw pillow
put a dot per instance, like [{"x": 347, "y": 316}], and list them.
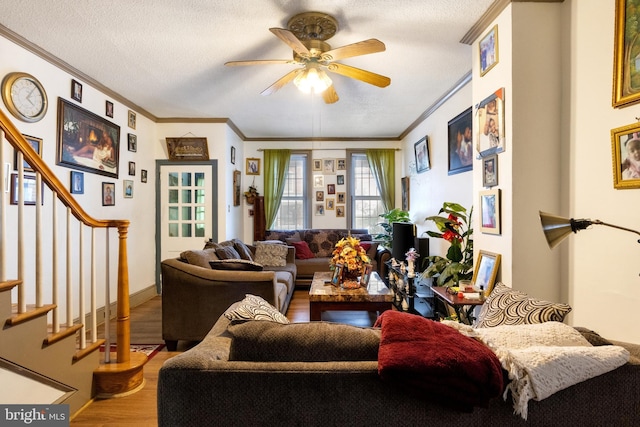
[
  {"x": 235, "y": 264},
  {"x": 302, "y": 250},
  {"x": 253, "y": 307},
  {"x": 227, "y": 252},
  {"x": 242, "y": 249},
  {"x": 302, "y": 342},
  {"x": 505, "y": 306},
  {"x": 200, "y": 258},
  {"x": 271, "y": 255}
]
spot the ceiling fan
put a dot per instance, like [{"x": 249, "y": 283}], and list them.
[{"x": 306, "y": 36}]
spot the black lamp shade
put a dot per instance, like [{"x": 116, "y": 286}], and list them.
[{"x": 404, "y": 234}]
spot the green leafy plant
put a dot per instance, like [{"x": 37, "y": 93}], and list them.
[
  {"x": 394, "y": 215},
  {"x": 454, "y": 227}
]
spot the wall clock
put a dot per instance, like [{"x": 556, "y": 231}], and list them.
[{"x": 24, "y": 96}]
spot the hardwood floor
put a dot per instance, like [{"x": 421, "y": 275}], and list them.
[{"x": 139, "y": 409}]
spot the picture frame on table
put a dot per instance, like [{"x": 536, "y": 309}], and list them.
[
  {"x": 253, "y": 166},
  {"x": 76, "y": 180},
  {"x": 490, "y": 171},
  {"x": 86, "y": 141},
  {"x": 76, "y": 90},
  {"x": 366, "y": 275},
  {"x": 486, "y": 271},
  {"x": 36, "y": 144},
  {"x": 488, "y": 49},
  {"x": 28, "y": 192},
  {"x": 127, "y": 188},
  {"x": 421, "y": 151},
  {"x": 490, "y": 211},
  {"x": 626, "y": 74},
  {"x": 336, "y": 278},
  {"x": 460, "y": 142},
  {"x": 625, "y": 148},
  {"x": 108, "y": 194}
]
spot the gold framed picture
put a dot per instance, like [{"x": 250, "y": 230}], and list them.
[
  {"x": 625, "y": 148},
  {"x": 626, "y": 75},
  {"x": 253, "y": 166},
  {"x": 490, "y": 211},
  {"x": 488, "y": 50},
  {"x": 486, "y": 271}
]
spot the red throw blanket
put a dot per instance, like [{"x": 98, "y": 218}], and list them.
[{"x": 437, "y": 360}]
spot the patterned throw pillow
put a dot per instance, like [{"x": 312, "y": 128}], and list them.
[
  {"x": 235, "y": 264},
  {"x": 504, "y": 306},
  {"x": 271, "y": 255},
  {"x": 253, "y": 307}
]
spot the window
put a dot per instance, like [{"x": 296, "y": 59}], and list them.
[
  {"x": 294, "y": 205},
  {"x": 366, "y": 204}
]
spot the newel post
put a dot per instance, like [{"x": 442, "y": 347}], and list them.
[{"x": 123, "y": 325}]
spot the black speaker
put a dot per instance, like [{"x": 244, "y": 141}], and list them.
[
  {"x": 422, "y": 246},
  {"x": 404, "y": 234}
]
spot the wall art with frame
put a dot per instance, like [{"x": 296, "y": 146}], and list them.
[
  {"x": 460, "y": 143},
  {"x": 490, "y": 171},
  {"x": 490, "y": 211},
  {"x": 490, "y": 124},
  {"x": 86, "y": 141},
  {"x": 236, "y": 187},
  {"x": 488, "y": 47},
  {"x": 28, "y": 192},
  {"x": 108, "y": 194},
  {"x": 405, "y": 193},
  {"x": 253, "y": 166},
  {"x": 76, "y": 90},
  {"x": 486, "y": 271},
  {"x": 421, "y": 151},
  {"x": 127, "y": 188},
  {"x": 625, "y": 148},
  {"x": 36, "y": 144},
  {"x": 187, "y": 148},
  {"x": 77, "y": 182},
  {"x": 626, "y": 48},
  {"x": 132, "y": 142}
]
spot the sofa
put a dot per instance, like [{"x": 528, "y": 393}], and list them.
[
  {"x": 194, "y": 295},
  {"x": 314, "y": 249}
]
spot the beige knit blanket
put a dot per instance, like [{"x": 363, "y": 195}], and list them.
[{"x": 544, "y": 358}]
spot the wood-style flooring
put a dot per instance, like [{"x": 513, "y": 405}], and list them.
[{"x": 139, "y": 409}]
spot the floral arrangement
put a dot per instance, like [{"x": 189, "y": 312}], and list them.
[
  {"x": 350, "y": 254},
  {"x": 456, "y": 229}
]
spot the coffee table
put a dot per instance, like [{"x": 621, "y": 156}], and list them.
[{"x": 323, "y": 296}]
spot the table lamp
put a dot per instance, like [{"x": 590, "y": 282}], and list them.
[{"x": 556, "y": 228}]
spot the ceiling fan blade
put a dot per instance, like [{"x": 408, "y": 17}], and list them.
[
  {"x": 358, "y": 74},
  {"x": 356, "y": 49},
  {"x": 260, "y": 62},
  {"x": 281, "y": 82},
  {"x": 289, "y": 38},
  {"x": 329, "y": 95}
]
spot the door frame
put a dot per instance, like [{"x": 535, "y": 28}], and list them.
[{"x": 214, "y": 206}]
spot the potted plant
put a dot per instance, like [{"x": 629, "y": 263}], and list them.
[
  {"x": 395, "y": 215},
  {"x": 455, "y": 228}
]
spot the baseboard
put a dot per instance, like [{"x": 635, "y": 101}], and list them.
[{"x": 135, "y": 300}]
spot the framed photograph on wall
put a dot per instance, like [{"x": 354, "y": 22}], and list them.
[
  {"x": 77, "y": 182},
  {"x": 76, "y": 90},
  {"x": 108, "y": 109},
  {"x": 488, "y": 50},
  {"x": 187, "y": 148},
  {"x": 626, "y": 75},
  {"x": 127, "y": 188},
  {"x": 132, "y": 142},
  {"x": 490, "y": 171},
  {"x": 131, "y": 119},
  {"x": 486, "y": 271},
  {"x": 341, "y": 164},
  {"x": 625, "y": 148},
  {"x": 460, "y": 142},
  {"x": 143, "y": 175},
  {"x": 236, "y": 188},
  {"x": 329, "y": 166},
  {"x": 108, "y": 194},
  {"x": 330, "y": 203},
  {"x": 331, "y": 189},
  {"x": 319, "y": 196},
  {"x": 490, "y": 211},
  {"x": 490, "y": 124},
  {"x": 233, "y": 155},
  {"x": 132, "y": 168},
  {"x": 405, "y": 193},
  {"x": 421, "y": 150},
  {"x": 36, "y": 144},
  {"x": 339, "y": 211},
  {"x": 317, "y": 165},
  {"x": 253, "y": 166},
  {"x": 340, "y": 179},
  {"x": 86, "y": 141},
  {"x": 319, "y": 210},
  {"x": 341, "y": 197},
  {"x": 318, "y": 181},
  {"x": 28, "y": 192}
]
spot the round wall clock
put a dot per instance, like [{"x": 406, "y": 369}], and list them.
[{"x": 24, "y": 96}]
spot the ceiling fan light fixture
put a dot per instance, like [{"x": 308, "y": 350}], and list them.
[{"x": 312, "y": 79}]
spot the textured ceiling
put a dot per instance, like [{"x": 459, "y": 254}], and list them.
[{"x": 167, "y": 57}]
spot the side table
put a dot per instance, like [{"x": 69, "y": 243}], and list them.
[{"x": 462, "y": 306}]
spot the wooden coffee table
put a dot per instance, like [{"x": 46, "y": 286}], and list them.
[{"x": 323, "y": 296}]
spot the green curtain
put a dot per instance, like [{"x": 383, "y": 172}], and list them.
[
  {"x": 383, "y": 166},
  {"x": 276, "y": 166}
]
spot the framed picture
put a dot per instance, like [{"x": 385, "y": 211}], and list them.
[
  {"x": 132, "y": 142},
  {"x": 337, "y": 275},
  {"x": 253, "y": 166},
  {"x": 460, "y": 143},
  {"x": 340, "y": 179},
  {"x": 86, "y": 141},
  {"x": 143, "y": 175},
  {"x": 490, "y": 171},
  {"x": 108, "y": 194},
  {"x": 132, "y": 168},
  {"x": 341, "y": 164},
  {"x": 131, "y": 119},
  {"x": 331, "y": 203},
  {"x": 319, "y": 196},
  {"x": 421, "y": 149},
  {"x": 318, "y": 181},
  {"x": 331, "y": 189},
  {"x": 405, "y": 193},
  {"x": 36, "y": 144},
  {"x": 28, "y": 192},
  {"x": 490, "y": 211},
  {"x": 490, "y": 122},
  {"x": 77, "y": 182},
  {"x": 341, "y": 197},
  {"x": 127, "y": 189},
  {"x": 366, "y": 275},
  {"x": 191, "y": 148},
  {"x": 626, "y": 75},
  {"x": 317, "y": 165},
  {"x": 339, "y": 211},
  {"x": 319, "y": 210},
  {"x": 108, "y": 109},
  {"x": 488, "y": 50},
  {"x": 236, "y": 188},
  {"x": 328, "y": 166},
  {"x": 233, "y": 155},
  {"x": 486, "y": 271},
  {"x": 625, "y": 147},
  {"x": 76, "y": 90}
]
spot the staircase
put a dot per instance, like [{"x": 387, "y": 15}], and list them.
[{"x": 49, "y": 326}]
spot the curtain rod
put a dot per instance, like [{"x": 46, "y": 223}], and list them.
[{"x": 335, "y": 149}]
